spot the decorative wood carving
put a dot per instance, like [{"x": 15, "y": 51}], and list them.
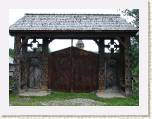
[
  {"x": 44, "y": 80},
  {"x": 128, "y": 79},
  {"x": 17, "y": 73},
  {"x": 24, "y": 45},
  {"x": 23, "y": 63},
  {"x": 101, "y": 65},
  {"x": 45, "y": 62}
]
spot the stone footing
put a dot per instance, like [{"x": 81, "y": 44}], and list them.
[
  {"x": 34, "y": 92},
  {"x": 110, "y": 93}
]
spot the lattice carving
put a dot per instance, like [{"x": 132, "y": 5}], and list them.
[{"x": 112, "y": 46}]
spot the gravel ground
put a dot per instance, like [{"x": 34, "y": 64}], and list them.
[{"x": 73, "y": 102}]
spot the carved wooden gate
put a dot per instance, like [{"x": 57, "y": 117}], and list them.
[{"x": 73, "y": 69}]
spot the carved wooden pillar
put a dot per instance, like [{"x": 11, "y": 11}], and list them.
[
  {"x": 44, "y": 82},
  {"x": 17, "y": 73},
  {"x": 128, "y": 80},
  {"x": 122, "y": 66},
  {"x": 24, "y": 64},
  {"x": 101, "y": 81},
  {"x": 24, "y": 45}
]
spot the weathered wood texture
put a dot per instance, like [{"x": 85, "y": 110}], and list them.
[
  {"x": 17, "y": 73},
  {"x": 73, "y": 69},
  {"x": 128, "y": 75},
  {"x": 45, "y": 64},
  {"x": 122, "y": 65},
  {"x": 112, "y": 73},
  {"x": 101, "y": 75}
]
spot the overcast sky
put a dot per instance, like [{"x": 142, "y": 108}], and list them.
[{"x": 15, "y": 14}]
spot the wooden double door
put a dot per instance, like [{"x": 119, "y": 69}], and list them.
[{"x": 73, "y": 69}]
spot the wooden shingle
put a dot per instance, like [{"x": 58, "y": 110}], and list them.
[{"x": 72, "y": 22}]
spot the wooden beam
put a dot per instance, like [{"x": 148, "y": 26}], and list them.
[{"x": 74, "y": 35}]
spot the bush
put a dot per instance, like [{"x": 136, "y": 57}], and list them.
[
  {"x": 11, "y": 85},
  {"x": 135, "y": 87}
]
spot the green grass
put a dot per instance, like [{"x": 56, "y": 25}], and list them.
[{"x": 35, "y": 101}]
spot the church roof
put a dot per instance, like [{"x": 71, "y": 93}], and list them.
[{"x": 72, "y": 22}]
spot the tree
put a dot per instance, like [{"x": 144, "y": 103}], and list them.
[
  {"x": 11, "y": 52},
  {"x": 134, "y": 50}
]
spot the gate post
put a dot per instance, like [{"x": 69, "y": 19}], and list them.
[
  {"x": 24, "y": 64},
  {"x": 128, "y": 75},
  {"x": 17, "y": 73},
  {"x": 101, "y": 80},
  {"x": 44, "y": 82},
  {"x": 122, "y": 66}
]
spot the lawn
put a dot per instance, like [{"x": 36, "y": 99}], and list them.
[{"x": 61, "y": 96}]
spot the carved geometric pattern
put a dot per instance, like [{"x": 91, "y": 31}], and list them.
[
  {"x": 35, "y": 45},
  {"x": 112, "y": 45}
]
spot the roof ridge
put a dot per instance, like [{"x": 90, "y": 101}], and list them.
[{"x": 70, "y": 14}]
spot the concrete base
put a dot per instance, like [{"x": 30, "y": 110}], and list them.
[
  {"x": 110, "y": 93},
  {"x": 34, "y": 92}
]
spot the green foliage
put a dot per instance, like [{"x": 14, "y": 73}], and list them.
[
  {"x": 135, "y": 87},
  {"x": 134, "y": 13},
  {"x": 135, "y": 59},
  {"x": 11, "y": 52},
  {"x": 59, "y": 96},
  {"x": 11, "y": 85},
  {"x": 134, "y": 50}
]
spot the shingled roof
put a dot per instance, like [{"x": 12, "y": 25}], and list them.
[{"x": 71, "y": 22}]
